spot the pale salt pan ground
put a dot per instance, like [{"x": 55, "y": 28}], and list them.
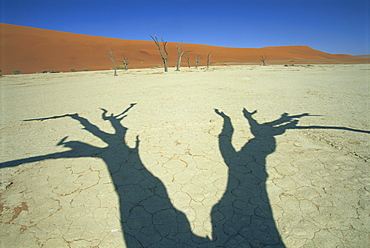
[{"x": 317, "y": 182}]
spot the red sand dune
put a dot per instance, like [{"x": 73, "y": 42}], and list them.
[{"x": 35, "y": 50}]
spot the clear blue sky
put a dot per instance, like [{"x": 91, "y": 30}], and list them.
[{"x": 334, "y": 26}]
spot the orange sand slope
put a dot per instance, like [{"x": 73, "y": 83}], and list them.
[{"x": 35, "y": 50}]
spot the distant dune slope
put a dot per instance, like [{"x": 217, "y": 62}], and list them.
[
  {"x": 35, "y": 50},
  {"x": 363, "y": 56}
]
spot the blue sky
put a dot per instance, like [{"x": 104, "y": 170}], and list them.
[{"x": 334, "y": 26}]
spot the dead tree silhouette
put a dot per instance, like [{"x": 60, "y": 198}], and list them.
[
  {"x": 148, "y": 217},
  {"x": 242, "y": 217}
]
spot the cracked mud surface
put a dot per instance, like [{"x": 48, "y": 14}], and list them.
[{"x": 191, "y": 178}]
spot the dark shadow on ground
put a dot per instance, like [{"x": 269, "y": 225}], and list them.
[
  {"x": 148, "y": 218},
  {"x": 242, "y": 218}
]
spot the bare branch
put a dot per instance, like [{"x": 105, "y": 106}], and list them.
[
  {"x": 125, "y": 61},
  {"x": 197, "y": 59},
  {"x": 263, "y": 59},
  {"x": 179, "y": 56},
  {"x": 112, "y": 56},
  {"x": 162, "y": 50},
  {"x": 188, "y": 60}
]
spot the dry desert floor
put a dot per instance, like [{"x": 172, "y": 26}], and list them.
[{"x": 236, "y": 156}]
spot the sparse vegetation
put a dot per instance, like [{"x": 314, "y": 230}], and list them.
[
  {"x": 73, "y": 70},
  {"x": 220, "y": 63},
  {"x": 51, "y": 71},
  {"x": 162, "y": 51},
  {"x": 307, "y": 66},
  {"x": 85, "y": 69},
  {"x": 17, "y": 72},
  {"x": 125, "y": 60}
]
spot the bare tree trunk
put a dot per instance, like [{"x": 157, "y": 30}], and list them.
[
  {"x": 162, "y": 51},
  {"x": 179, "y": 56},
  {"x": 188, "y": 60},
  {"x": 113, "y": 59},
  {"x": 125, "y": 61},
  {"x": 209, "y": 59},
  {"x": 263, "y": 59},
  {"x": 197, "y": 59}
]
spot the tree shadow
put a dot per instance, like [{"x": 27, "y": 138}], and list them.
[
  {"x": 148, "y": 218},
  {"x": 242, "y": 218}
]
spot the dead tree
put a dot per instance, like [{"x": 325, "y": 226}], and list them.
[
  {"x": 179, "y": 56},
  {"x": 188, "y": 60},
  {"x": 197, "y": 59},
  {"x": 113, "y": 59},
  {"x": 209, "y": 59},
  {"x": 125, "y": 61},
  {"x": 263, "y": 59},
  {"x": 162, "y": 51}
]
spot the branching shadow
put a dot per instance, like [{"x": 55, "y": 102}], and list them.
[
  {"x": 148, "y": 218},
  {"x": 242, "y": 218}
]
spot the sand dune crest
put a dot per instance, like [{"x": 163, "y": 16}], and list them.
[{"x": 36, "y": 50}]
